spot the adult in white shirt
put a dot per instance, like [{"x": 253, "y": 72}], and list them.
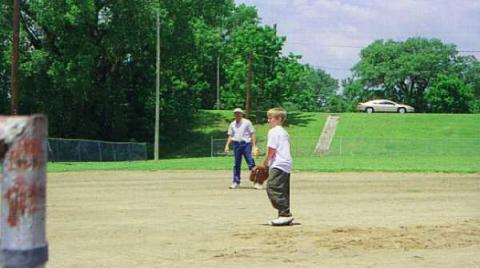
[{"x": 241, "y": 134}]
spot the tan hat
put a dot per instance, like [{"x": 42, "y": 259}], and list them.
[{"x": 238, "y": 110}]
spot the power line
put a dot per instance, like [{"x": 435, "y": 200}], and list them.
[
  {"x": 362, "y": 47},
  {"x": 316, "y": 66},
  {"x": 346, "y": 68},
  {"x": 331, "y": 68},
  {"x": 340, "y": 46},
  {"x": 377, "y": 34}
]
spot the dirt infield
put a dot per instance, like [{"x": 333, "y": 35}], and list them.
[{"x": 191, "y": 219}]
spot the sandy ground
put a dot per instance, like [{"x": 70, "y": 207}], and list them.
[{"x": 191, "y": 219}]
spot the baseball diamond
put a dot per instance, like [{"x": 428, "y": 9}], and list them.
[
  {"x": 190, "y": 219},
  {"x": 240, "y": 133}
]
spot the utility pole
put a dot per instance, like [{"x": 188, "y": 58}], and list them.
[
  {"x": 218, "y": 82},
  {"x": 157, "y": 91},
  {"x": 15, "y": 56},
  {"x": 222, "y": 36},
  {"x": 249, "y": 82}
]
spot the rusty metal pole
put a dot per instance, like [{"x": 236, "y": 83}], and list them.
[
  {"x": 15, "y": 56},
  {"x": 23, "y": 148}
]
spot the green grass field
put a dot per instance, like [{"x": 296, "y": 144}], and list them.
[
  {"x": 363, "y": 142},
  {"x": 408, "y": 135},
  {"x": 409, "y": 125}
]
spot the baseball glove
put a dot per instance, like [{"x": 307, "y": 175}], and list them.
[{"x": 259, "y": 174}]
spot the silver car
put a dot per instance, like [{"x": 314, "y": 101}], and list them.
[{"x": 384, "y": 106}]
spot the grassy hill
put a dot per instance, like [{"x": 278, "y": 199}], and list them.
[
  {"x": 408, "y": 135},
  {"x": 363, "y": 142},
  {"x": 409, "y": 125},
  {"x": 213, "y": 125}
]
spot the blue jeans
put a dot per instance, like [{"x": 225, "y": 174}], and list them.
[{"x": 239, "y": 149}]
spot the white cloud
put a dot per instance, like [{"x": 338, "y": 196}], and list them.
[{"x": 315, "y": 27}]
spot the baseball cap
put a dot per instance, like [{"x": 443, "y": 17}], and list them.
[{"x": 238, "y": 110}]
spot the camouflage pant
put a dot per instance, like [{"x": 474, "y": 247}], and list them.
[{"x": 278, "y": 190}]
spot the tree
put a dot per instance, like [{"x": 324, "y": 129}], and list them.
[
  {"x": 247, "y": 38},
  {"x": 470, "y": 73},
  {"x": 90, "y": 65},
  {"x": 449, "y": 93},
  {"x": 320, "y": 86},
  {"x": 86, "y": 67},
  {"x": 278, "y": 80},
  {"x": 404, "y": 70},
  {"x": 353, "y": 93},
  {"x": 5, "y": 58}
]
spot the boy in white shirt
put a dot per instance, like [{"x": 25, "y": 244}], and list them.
[{"x": 279, "y": 162}]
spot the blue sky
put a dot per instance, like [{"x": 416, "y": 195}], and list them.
[{"x": 330, "y": 33}]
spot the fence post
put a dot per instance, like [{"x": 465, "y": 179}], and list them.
[
  {"x": 99, "y": 151},
  {"x": 23, "y": 148},
  {"x": 145, "y": 151},
  {"x": 211, "y": 146},
  {"x": 79, "y": 152},
  {"x": 49, "y": 149},
  {"x": 341, "y": 141}
]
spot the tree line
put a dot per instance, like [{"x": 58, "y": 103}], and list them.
[
  {"x": 90, "y": 66},
  {"x": 424, "y": 73}
]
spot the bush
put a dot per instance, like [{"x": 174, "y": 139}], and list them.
[
  {"x": 475, "y": 106},
  {"x": 449, "y": 94},
  {"x": 337, "y": 104}
]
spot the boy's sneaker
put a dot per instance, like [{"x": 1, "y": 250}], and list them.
[
  {"x": 234, "y": 185},
  {"x": 258, "y": 186},
  {"x": 280, "y": 221}
]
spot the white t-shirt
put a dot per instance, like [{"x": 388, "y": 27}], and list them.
[
  {"x": 278, "y": 140},
  {"x": 242, "y": 131}
]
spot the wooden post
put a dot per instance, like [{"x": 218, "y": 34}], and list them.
[
  {"x": 249, "y": 84},
  {"x": 157, "y": 92},
  {"x": 15, "y": 56},
  {"x": 218, "y": 82}
]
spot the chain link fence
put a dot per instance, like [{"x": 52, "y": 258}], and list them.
[
  {"x": 66, "y": 150},
  {"x": 217, "y": 147},
  {"x": 69, "y": 150},
  {"x": 371, "y": 146},
  {"x": 405, "y": 147}
]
